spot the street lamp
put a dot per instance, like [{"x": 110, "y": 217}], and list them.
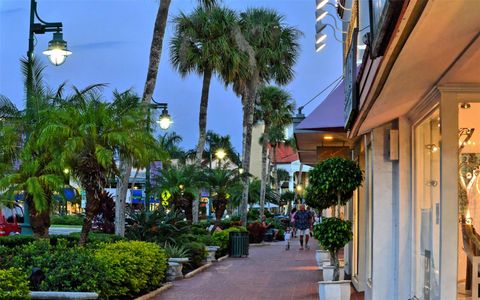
[
  {"x": 220, "y": 154},
  {"x": 164, "y": 122},
  {"x": 57, "y": 52}
]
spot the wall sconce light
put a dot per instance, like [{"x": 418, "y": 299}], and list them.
[{"x": 432, "y": 148}]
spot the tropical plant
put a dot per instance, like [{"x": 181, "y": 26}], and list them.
[
  {"x": 169, "y": 143},
  {"x": 13, "y": 284},
  {"x": 333, "y": 181},
  {"x": 160, "y": 225},
  {"x": 333, "y": 234},
  {"x": 273, "y": 108},
  {"x": 87, "y": 134},
  {"x": 175, "y": 250},
  {"x": 282, "y": 176},
  {"x": 221, "y": 181},
  {"x": 253, "y": 194},
  {"x": 214, "y": 142},
  {"x": 182, "y": 183},
  {"x": 287, "y": 197},
  {"x": 272, "y": 48}
]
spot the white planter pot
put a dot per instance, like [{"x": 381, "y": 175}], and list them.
[
  {"x": 328, "y": 272},
  {"x": 174, "y": 271},
  {"x": 334, "y": 290},
  {"x": 322, "y": 256},
  {"x": 211, "y": 252}
]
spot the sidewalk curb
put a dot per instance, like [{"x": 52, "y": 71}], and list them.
[
  {"x": 260, "y": 244},
  {"x": 198, "y": 270},
  {"x": 156, "y": 292},
  {"x": 222, "y": 258}
]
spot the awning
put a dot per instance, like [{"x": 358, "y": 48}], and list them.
[
  {"x": 328, "y": 116},
  {"x": 322, "y": 134}
]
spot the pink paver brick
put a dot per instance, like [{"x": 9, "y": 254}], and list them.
[{"x": 269, "y": 272}]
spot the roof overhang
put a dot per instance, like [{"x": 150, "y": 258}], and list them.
[
  {"x": 314, "y": 145},
  {"x": 435, "y": 44}
]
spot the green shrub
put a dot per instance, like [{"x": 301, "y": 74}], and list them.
[
  {"x": 197, "y": 254},
  {"x": 221, "y": 239},
  {"x": 13, "y": 285},
  {"x": 281, "y": 235},
  {"x": 253, "y": 215},
  {"x": 67, "y": 220},
  {"x": 16, "y": 240},
  {"x": 256, "y": 231},
  {"x": 131, "y": 267},
  {"x": 93, "y": 238},
  {"x": 175, "y": 251},
  {"x": 207, "y": 239},
  {"x": 66, "y": 268}
]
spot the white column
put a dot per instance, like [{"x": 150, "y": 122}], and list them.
[
  {"x": 291, "y": 181},
  {"x": 448, "y": 195}
]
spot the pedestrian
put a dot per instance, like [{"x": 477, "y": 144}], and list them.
[
  {"x": 303, "y": 222},
  {"x": 292, "y": 221}
]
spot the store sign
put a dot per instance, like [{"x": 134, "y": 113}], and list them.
[
  {"x": 351, "y": 98},
  {"x": 383, "y": 18}
]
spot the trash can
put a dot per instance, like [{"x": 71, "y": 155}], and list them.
[{"x": 238, "y": 244}]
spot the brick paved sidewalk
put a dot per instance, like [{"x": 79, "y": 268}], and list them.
[{"x": 269, "y": 272}]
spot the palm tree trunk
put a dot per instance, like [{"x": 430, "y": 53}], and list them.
[
  {"x": 91, "y": 209},
  {"x": 121, "y": 199},
  {"x": 275, "y": 173},
  {"x": 247, "y": 147},
  {"x": 39, "y": 220},
  {"x": 150, "y": 82},
  {"x": 202, "y": 129},
  {"x": 299, "y": 181},
  {"x": 263, "y": 184}
]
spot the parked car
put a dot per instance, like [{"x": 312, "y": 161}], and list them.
[{"x": 10, "y": 218}]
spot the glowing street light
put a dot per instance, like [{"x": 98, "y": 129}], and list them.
[{"x": 220, "y": 154}]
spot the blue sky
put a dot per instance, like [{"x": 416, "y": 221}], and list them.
[{"x": 110, "y": 41}]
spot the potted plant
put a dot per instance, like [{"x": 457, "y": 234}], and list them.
[
  {"x": 177, "y": 256},
  {"x": 332, "y": 183}
]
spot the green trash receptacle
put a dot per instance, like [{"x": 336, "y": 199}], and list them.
[{"x": 238, "y": 244}]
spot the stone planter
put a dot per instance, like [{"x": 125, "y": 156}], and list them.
[
  {"x": 334, "y": 290},
  {"x": 175, "y": 267},
  {"x": 211, "y": 252},
  {"x": 328, "y": 272}
]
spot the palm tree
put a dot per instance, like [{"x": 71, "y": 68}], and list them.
[
  {"x": 88, "y": 134},
  {"x": 274, "y": 108},
  {"x": 202, "y": 44},
  {"x": 272, "y": 48},
  {"x": 182, "y": 182},
  {"x": 214, "y": 142},
  {"x": 169, "y": 143},
  {"x": 220, "y": 181}
]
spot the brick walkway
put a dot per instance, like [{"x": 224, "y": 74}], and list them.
[{"x": 269, "y": 272}]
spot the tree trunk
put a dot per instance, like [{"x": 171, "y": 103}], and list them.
[
  {"x": 338, "y": 205},
  {"x": 275, "y": 173},
  {"x": 156, "y": 49},
  {"x": 263, "y": 186},
  {"x": 299, "y": 181},
  {"x": 334, "y": 262},
  {"x": 202, "y": 130},
  {"x": 247, "y": 147},
  {"x": 91, "y": 209},
  {"x": 121, "y": 199},
  {"x": 219, "y": 206},
  {"x": 39, "y": 220}
]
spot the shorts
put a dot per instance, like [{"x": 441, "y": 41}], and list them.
[{"x": 303, "y": 231}]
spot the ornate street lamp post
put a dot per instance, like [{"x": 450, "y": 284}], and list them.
[
  {"x": 164, "y": 121},
  {"x": 57, "y": 52}
]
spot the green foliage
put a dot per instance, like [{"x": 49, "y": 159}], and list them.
[
  {"x": 16, "y": 240},
  {"x": 157, "y": 226},
  {"x": 281, "y": 235},
  {"x": 333, "y": 233},
  {"x": 175, "y": 251},
  {"x": 331, "y": 178},
  {"x": 67, "y": 220},
  {"x": 253, "y": 214},
  {"x": 256, "y": 232},
  {"x": 197, "y": 254},
  {"x": 288, "y": 196},
  {"x": 131, "y": 267},
  {"x": 13, "y": 285},
  {"x": 221, "y": 239}
]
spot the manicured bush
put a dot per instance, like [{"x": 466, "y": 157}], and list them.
[
  {"x": 131, "y": 267},
  {"x": 67, "y": 220},
  {"x": 13, "y": 285},
  {"x": 256, "y": 232},
  {"x": 197, "y": 255},
  {"x": 16, "y": 240}
]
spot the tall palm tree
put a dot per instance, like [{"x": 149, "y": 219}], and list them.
[
  {"x": 276, "y": 136},
  {"x": 202, "y": 44},
  {"x": 169, "y": 143},
  {"x": 272, "y": 48},
  {"x": 214, "y": 142},
  {"x": 87, "y": 134},
  {"x": 274, "y": 108},
  {"x": 150, "y": 82}
]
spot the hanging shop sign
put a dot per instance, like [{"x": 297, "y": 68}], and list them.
[{"x": 351, "y": 97}]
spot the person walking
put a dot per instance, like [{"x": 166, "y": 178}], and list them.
[
  {"x": 303, "y": 222},
  {"x": 292, "y": 222}
]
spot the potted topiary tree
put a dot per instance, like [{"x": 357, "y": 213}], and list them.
[{"x": 332, "y": 182}]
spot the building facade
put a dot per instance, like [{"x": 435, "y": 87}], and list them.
[{"x": 412, "y": 115}]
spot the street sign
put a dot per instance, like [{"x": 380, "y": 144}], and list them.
[{"x": 165, "y": 196}]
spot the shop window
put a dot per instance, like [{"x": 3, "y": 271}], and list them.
[{"x": 427, "y": 208}]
